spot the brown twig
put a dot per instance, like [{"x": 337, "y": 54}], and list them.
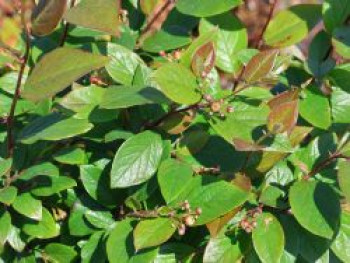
[
  {"x": 24, "y": 60},
  {"x": 66, "y": 28},
  {"x": 259, "y": 41},
  {"x": 318, "y": 168}
]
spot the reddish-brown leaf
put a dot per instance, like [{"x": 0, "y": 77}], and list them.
[
  {"x": 260, "y": 66},
  {"x": 284, "y": 97},
  {"x": 283, "y": 118},
  {"x": 203, "y": 60}
]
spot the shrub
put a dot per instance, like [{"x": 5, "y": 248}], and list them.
[{"x": 161, "y": 131}]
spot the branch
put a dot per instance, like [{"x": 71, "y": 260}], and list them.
[
  {"x": 24, "y": 60},
  {"x": 318, "y": 168},
  {"x": 272, "y": 9}
]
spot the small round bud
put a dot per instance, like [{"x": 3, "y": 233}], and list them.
[
  {"x": 203, "y": 74},
  {"x": 198, "y": 211},
  {"x": 215, "y": 106},
  {"x": 186, "y": 205},
  {"x": 222, "y": 115},
  {"x": 182, "y": 230},
  {"x": 229, "y": 109},
  {"x": 248, "y": 229},
  {"x": 177, "y": 54},
  {"x": 208, "y": 97},
  {"x": 162, "y": 53},
  {"x": 254, "y": 224},
  {"x": 189, "y": 220}
]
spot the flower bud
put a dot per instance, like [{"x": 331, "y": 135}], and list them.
[
  {"x": 189, "y": 220},
  {"x": 198, "y": 211},
  {"x": 215, "y": 106},
  {"x": 182, "y": 230}
]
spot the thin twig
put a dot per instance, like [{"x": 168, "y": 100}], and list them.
[
  {"x": 272, "y": 9},
  {"x": 24, "y": 60},
  {"x": 318, "y": 168},
  {"x": 66, "y": 28}
]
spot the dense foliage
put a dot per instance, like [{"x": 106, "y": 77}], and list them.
[{"x": 163, "y": 131}]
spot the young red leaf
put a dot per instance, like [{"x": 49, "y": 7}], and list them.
[{"x": 204, "y": 60}]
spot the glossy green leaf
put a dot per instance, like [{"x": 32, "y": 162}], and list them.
[
  {"x": 268, "y": 238},
  {"x": 94, "y": 249},
  {"x": 204, "y": 8},
  {"x": 177, "y": 83},
  {"x": 136, "y": 160},
  {"x": 340, "y": 102},
  {"x": 28, "y": 206},
  {"x": 53, "y": 127},
  {"x": 100, "y": 219},
  {"x": 101, "y": 15},
  {"x": 63, "y": 65},
  {"x": 44, "y": 229},
  {"x": 335, "y": 13},
  {"x": 153, "y": 232},
  {"x": 340, "y": 76},
  {"x": 316, "y": 207},
  {"x": 340, "y": 245},
  {"x": 46, "y": 16},
  {"x": 175, "y": 180},
  {"x": 242, "y": 122},
  {"x": 48, "y": 185},
  {"x": 291, "y": 26},
  {"x": 120, "y": 243},
  {"x": 125, "y": 97},
  {"x": 215, "y": 198},
  {"x": 344, "y": 178},
  {"x": 58, "y": 253},
  {"x": 5, "y": 166},
  {"x": 341, "y": 41},
  {"x": 8, "y": 195},
  {"x": 319, "y": 115},
  {"x": 5, "y": 226},
  {"x": 15, "y": 239},
  {"x": 231, "y": 38},
  {"x": 123, "y": 64},
  {"x": 71, "y": 155},
  {"x": 221, "y": 249}
]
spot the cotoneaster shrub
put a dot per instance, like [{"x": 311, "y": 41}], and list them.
[{"x": 154, "y": 131}]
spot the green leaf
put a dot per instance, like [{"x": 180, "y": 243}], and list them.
[
  {"x": 53, "y": 127},
  {"x": 15, "y": 239},
  {"x": 58, "y": 253},
  {"x": 204, "y": 8},
  {"x": 125, "y": 97},
  {"x": 123, "y": 64},
  {"x": 28, "y": 206},
  {"x": 118, "y": 135},
  {"x": 94, "y": 249},
  {"x": 335, "y": 13},
  {"x": 260, "y": 66},
  {"x": 340, "y": 245},
  {"x": 83, "y": 99},
  {"x": 100, "y": 219},
  {"x": 48, "y": 185},
  {"x": 71, "y": 155},
  {"x": 341, "y": 41},
  {"x": 216, "y": 198},
  {"x": 177, "y": 83},
  {"x": 319, "y": 115},
  {"x": 231, "y": 38},
  {"x": 8, "y": 195},
  {"x": 101, "y": 15},
  {"x": 175, "y": 180},
  {"x": 5, "y": 166},
  {"x": 96, "y": 181},
  {"x": 222, "y": 249},
  {"x": 340, "y": 102},
  {"x": 241, "y": 123},
  {"x": 153, "y": 232},
  {"x": 44, "y": 229},
  {"x": 268, "y": 238},
  {"x": 316, "y": 207},
  {"x": 291, "y": 26},
  {"x": 136, "y": 160},
  {"x": 45, "y": 168},
  {"x": 5, "y": 226},
  {"x": 120, "y": 243},
  {"x": 344, "y": 178},
  {"x": 46, "y": 16},
  {"x": 340, "y": 76},
  {"x": 61, "y": 66}
]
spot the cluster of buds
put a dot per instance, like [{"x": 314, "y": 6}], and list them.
[
  {"x": 248, "y": 223},
  {"x": 174, "y": 56},
  {"x": 189, "y": 217},
  {"x": 217, "y": 107}
]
